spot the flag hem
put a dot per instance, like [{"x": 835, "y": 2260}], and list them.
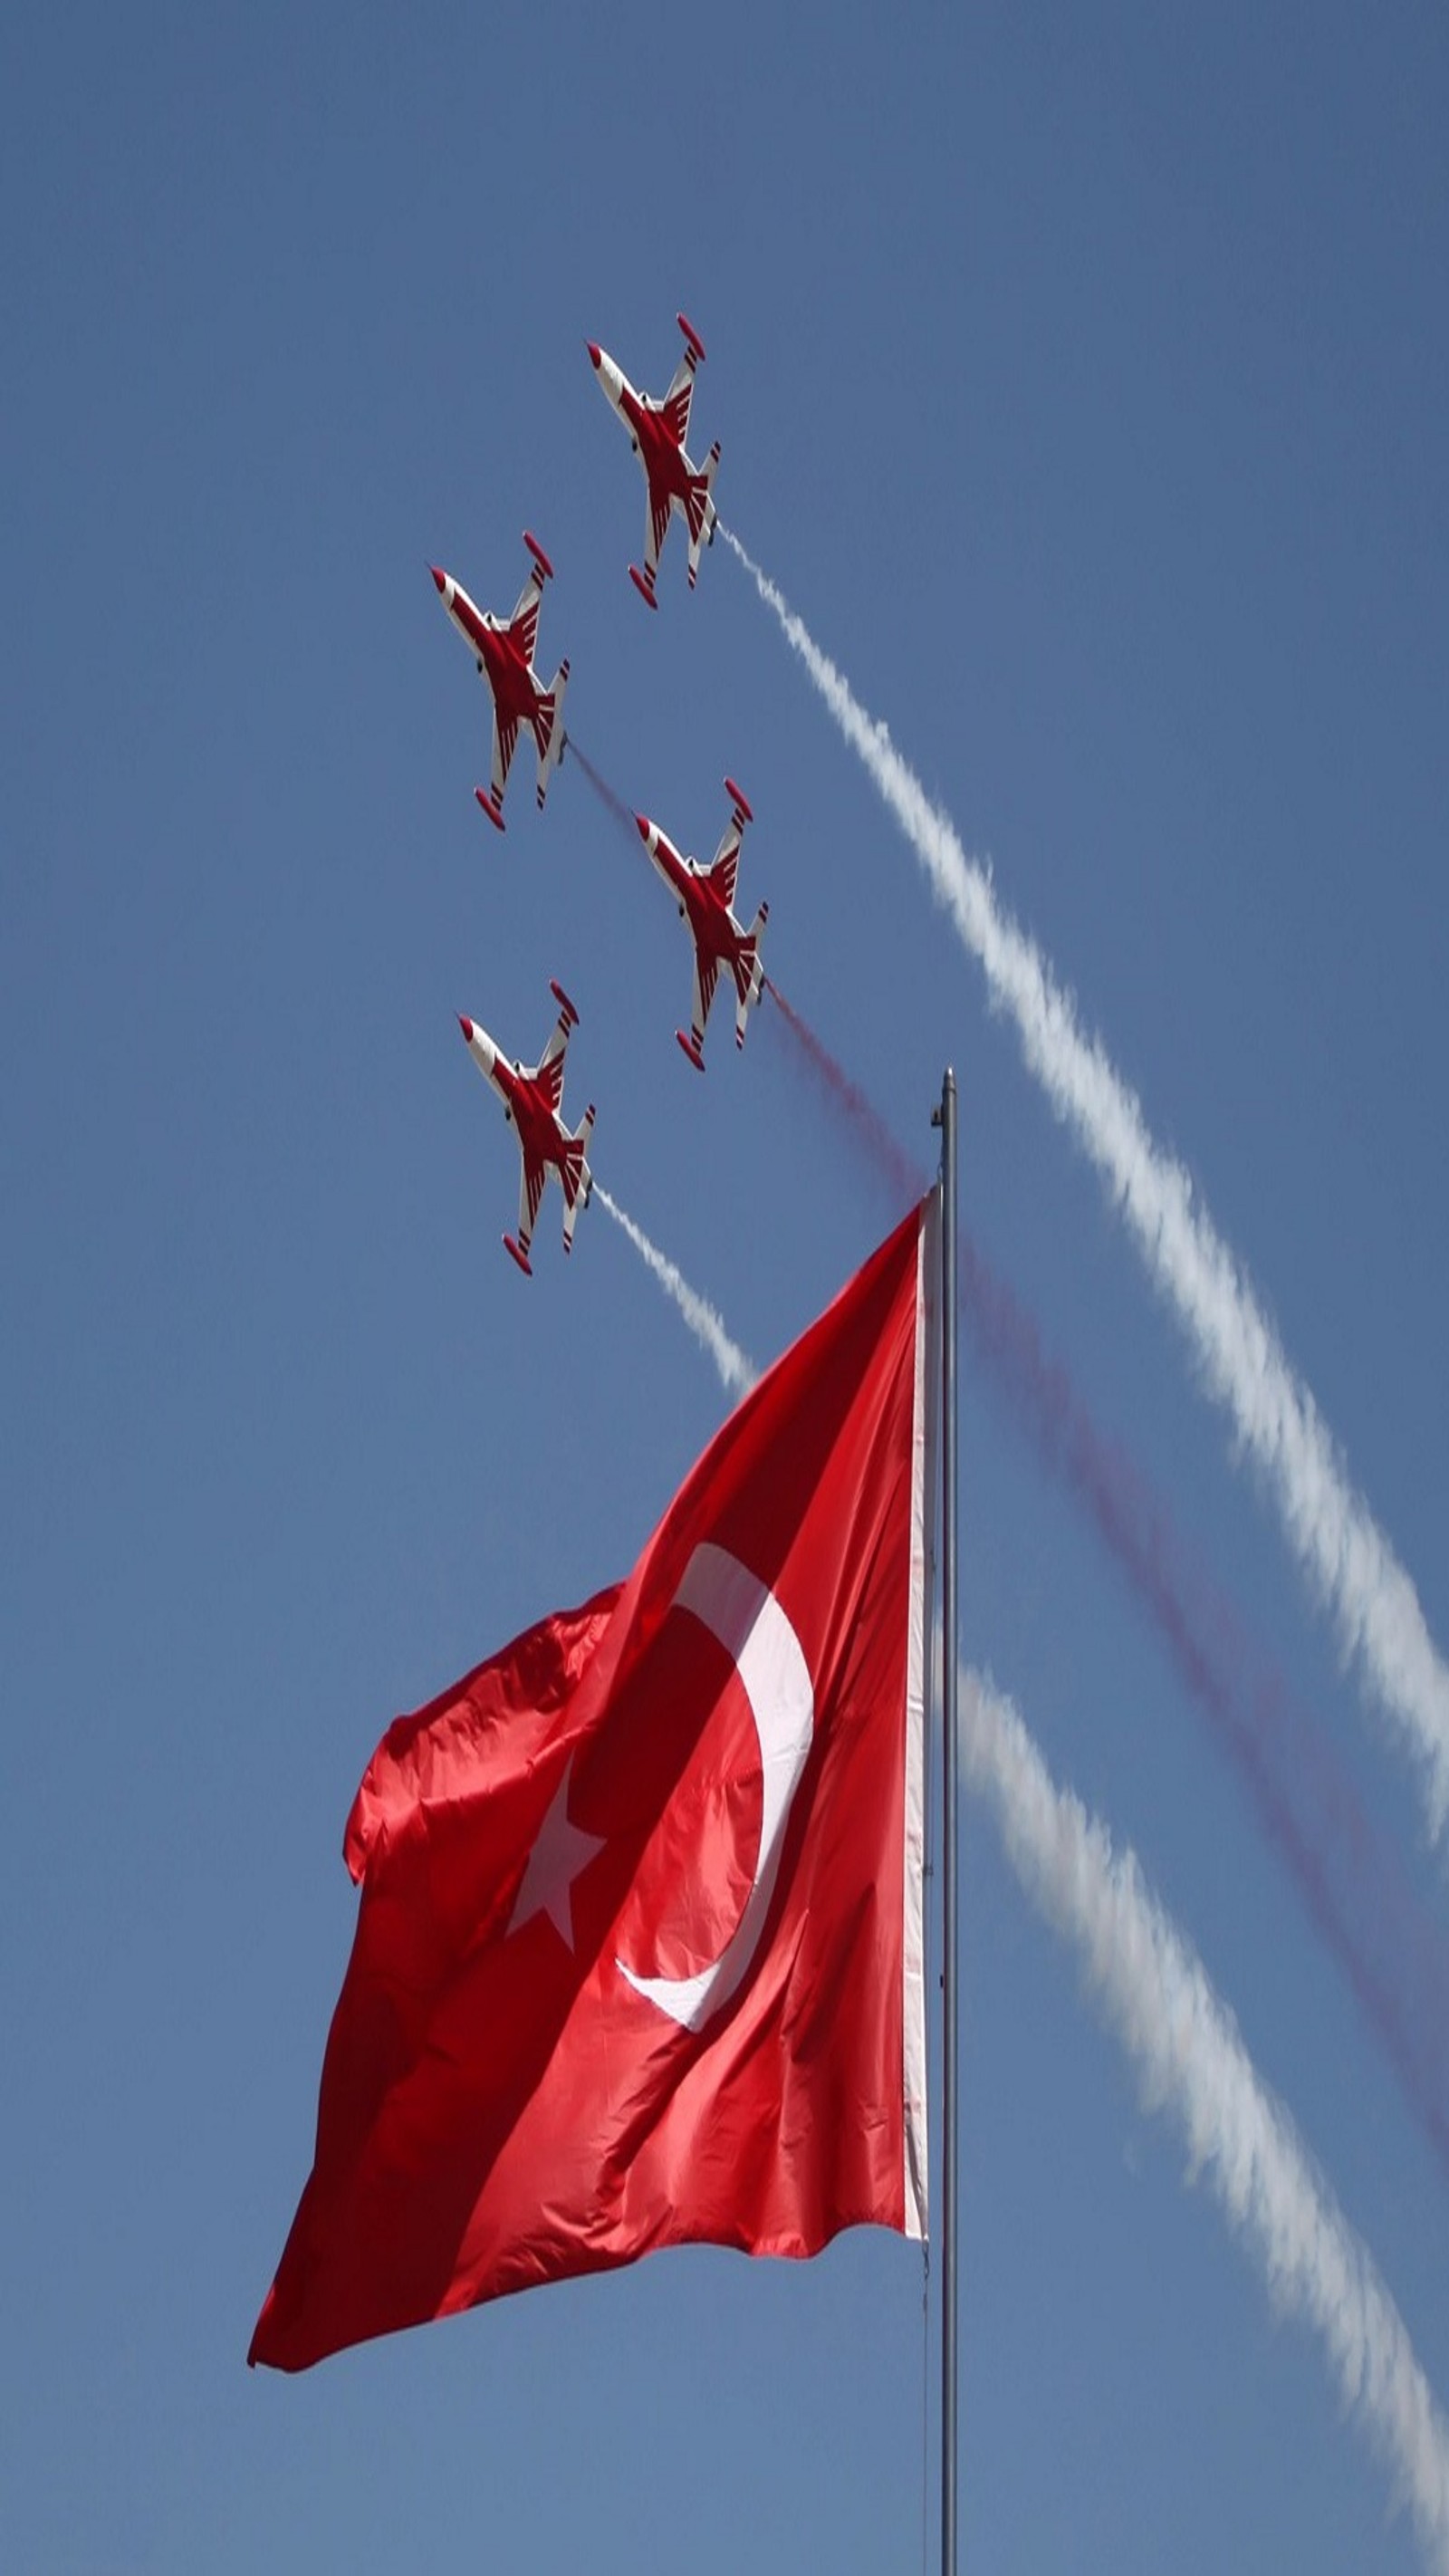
[{"x": 916, "y": 2166}]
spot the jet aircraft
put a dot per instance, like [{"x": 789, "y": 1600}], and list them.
[
  {"x": 532, "y": 1097},
  {"x": 705, "y": 896},
  {"x": 657, "y": 432},
  {"x": 503, "y": 649}
]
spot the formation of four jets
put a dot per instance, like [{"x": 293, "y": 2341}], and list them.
[{"x": 504, "y": 649}]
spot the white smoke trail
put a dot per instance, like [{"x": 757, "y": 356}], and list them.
[
  {"x": 737, "y": 1374},
  {"x": 1155, "y": 1993},
  {"x": 1348, "y": 1560}
]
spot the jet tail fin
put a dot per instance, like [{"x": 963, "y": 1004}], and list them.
[
  {"x": 749, "y": 971},
  {"x": 548, "y": 730},
  {"x": 700, "y": 511},
  {"x": 574, "y": 1172}
]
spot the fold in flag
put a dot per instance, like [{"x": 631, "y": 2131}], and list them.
[{"x": 638, "y": 1958}]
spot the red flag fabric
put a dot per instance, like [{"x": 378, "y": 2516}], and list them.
[{"x": 638, "y": 1957}]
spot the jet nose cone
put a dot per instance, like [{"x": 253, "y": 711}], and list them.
[
  {"x": 440, "y": 579},
  {"x": 596, "y": 353},
  {"x": 467, "y": 1028}
]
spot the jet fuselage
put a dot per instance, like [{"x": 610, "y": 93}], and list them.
[
  {"x": 516, "y": 693},
  {"x": 716, "y": 933},
  {"x": 540, "y": 1132}
]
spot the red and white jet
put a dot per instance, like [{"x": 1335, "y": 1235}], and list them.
[
  {"x": 532, "y": 1096},
  {"x": 657, "y": 432},
  {"x": 503, "y": 649},
  {"x": 705, "y": 896}
]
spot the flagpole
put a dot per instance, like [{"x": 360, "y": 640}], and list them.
[{"x": 945, "y": 1119}]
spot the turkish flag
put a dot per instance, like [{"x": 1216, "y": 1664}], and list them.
[{"x": 638, "y": 1958}]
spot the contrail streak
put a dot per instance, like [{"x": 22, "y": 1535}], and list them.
[
  {"x": 600, "y": 785},
  {"x": 1349, "y": 1563},
  {"x": 1156, "y": 1996},
  {"x": 737, "y": 1374},
  {"x": 1347, "y": 1876},
  {"x": 905, "y": 1175}
]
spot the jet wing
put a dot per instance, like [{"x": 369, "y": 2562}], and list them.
[
  {"x": 550, "y": 1074},
  {"x": 505, "y": 738},
  {"x": 530, "y": 1191},
  {"x": 706, "y": 976},
  {"x": 674, "y": 409},
  {"x": 523, "y": 624},
  {"x": 724, "y": 867},
  {"x": 656, "y": 529}
]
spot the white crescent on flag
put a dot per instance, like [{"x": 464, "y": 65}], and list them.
[{"x": 751, "y": 1626}]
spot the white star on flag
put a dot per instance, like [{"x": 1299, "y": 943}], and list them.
[{"x": 561, "y": 1852}]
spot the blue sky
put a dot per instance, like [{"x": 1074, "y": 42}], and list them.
[{"x": 1082, "y": 381}]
